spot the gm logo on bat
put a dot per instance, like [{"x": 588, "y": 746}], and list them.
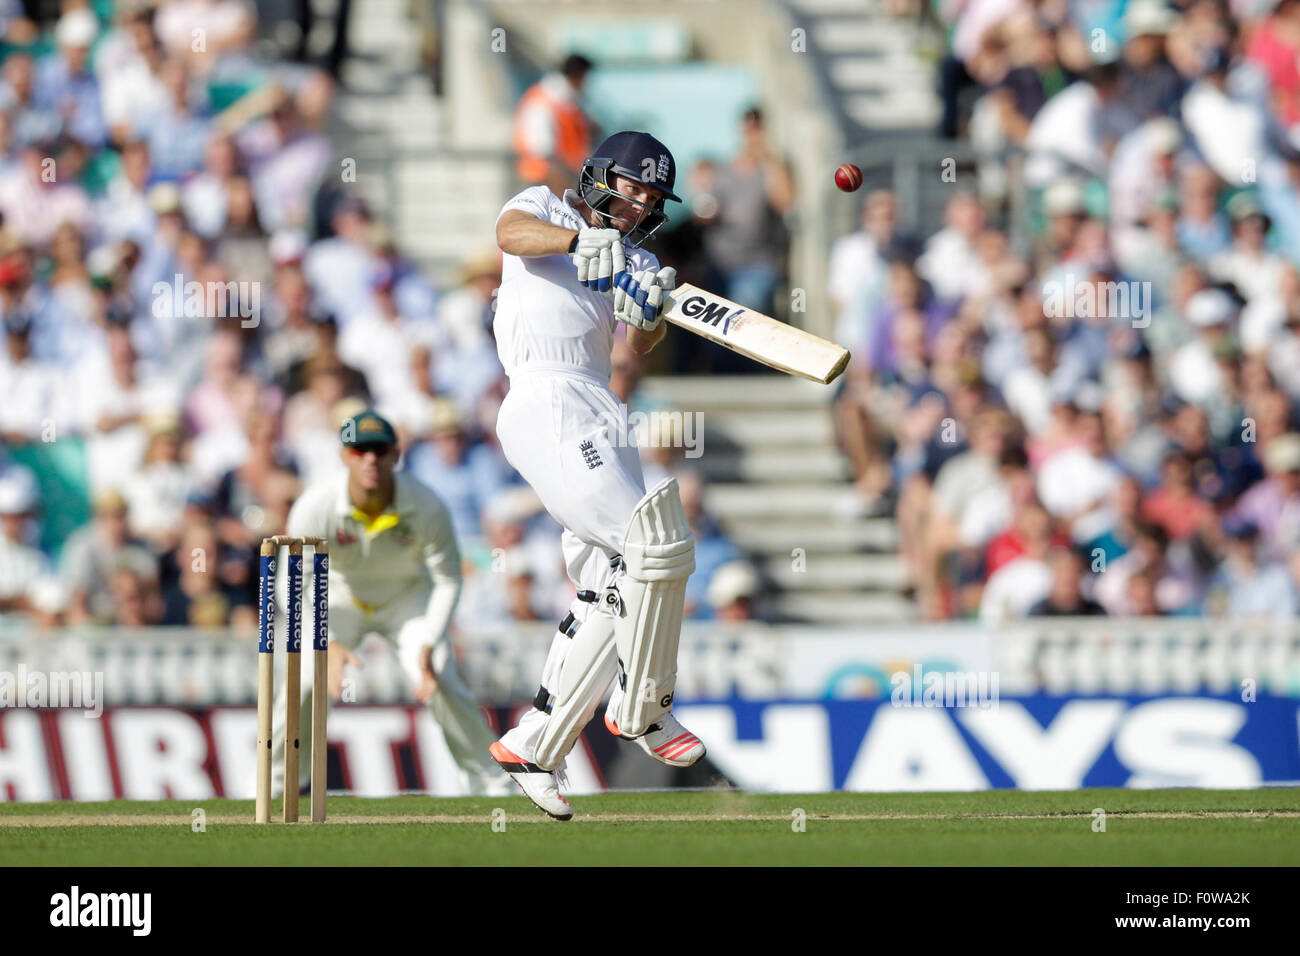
[{"x": 698, "y": 307}]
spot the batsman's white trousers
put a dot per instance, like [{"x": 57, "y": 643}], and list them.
[
  {"x": 568, "y": 435},
  {"x": 454, "y": 707}
]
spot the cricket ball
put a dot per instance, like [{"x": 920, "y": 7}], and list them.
[{"x": 848, "y": 177}]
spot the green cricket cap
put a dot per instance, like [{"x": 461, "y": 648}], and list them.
[{"x": 367, "y": 428}]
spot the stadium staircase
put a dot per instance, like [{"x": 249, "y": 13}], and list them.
[
  {"x": 429, "y": 181},
  {"x": 869, "y": 64},
  {"x": 779, "y": 488}
]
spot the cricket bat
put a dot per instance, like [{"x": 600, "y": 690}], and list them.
[{"x": 755, "y": 335}]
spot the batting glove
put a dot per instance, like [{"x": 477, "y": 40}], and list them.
[
  {"x": 640, "y": 297},
  {"x": 598, "y": 254}
]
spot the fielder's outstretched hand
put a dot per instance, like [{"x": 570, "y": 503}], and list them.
[
  {"x": 428, "y": 679},
  {"x": 339, "y": 657},
  {"x": 640, "y": 297},
  {"x": 599, "y": 257}
]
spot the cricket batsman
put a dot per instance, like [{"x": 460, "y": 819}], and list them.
[
  {"x": 572, "y": 270},
  {"x": 395, "y": 571}
]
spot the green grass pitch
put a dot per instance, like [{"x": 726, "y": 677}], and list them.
[{"x": 715, "y": 827}]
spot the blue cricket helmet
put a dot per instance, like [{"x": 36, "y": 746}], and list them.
[{"x": 636, "y": 156}]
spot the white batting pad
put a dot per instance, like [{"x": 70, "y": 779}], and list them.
[
  {"x": 658, "y": 557},
  {"x": 585, "y": 673}
]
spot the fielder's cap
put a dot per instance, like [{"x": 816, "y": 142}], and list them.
[
  {"x": 1210, "y": 307},
  {"x": 641, "y": 157},
  {"x": 367, "y": 428}
]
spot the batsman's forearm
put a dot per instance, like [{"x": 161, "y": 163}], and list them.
[
  {"x": 528, "y": 237},
  {"x": 641, "y": 342}
]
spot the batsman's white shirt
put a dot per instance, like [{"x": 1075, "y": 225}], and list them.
[
  {"x": 397, "y": 575},
  {"x": 560, "y": 426},
  {"x": 544, "y": 318}
]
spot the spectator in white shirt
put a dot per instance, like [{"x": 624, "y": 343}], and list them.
[
  {"x": 205, "y": 196},
  {"x": 1076, "y": 483},
  {"x": 35, "y": 201},
  {"x": 380, "y": 342},
  {"x": 341, "y": 268},
  {"x": 1022, "y": 582},
  {"x": 950, "y": 262},
  {"x": 858, "y": 270},
  {"x": 22, "y": 566},
  {"x": 157, "y": 493},
  {"x": 125, "y": 211},
  {"x": 1077, "y": 128},
  {"x": 32, "y": 123},
  {"x": 29, "y": 388},
  {"x": 1193, "y": 371},
  {"x": 225, "y": 26},
  {"x": 1247, "y": 263}
]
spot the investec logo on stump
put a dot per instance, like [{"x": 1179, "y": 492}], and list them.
[{"x": 78, "y": 909}]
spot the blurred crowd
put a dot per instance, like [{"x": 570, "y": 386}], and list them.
[
  {"x": 193, "y": 301},
  {"x": 1086, "y": 402}
]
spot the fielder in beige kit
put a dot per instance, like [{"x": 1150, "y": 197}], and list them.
[{"x": 395, "y": 573}]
